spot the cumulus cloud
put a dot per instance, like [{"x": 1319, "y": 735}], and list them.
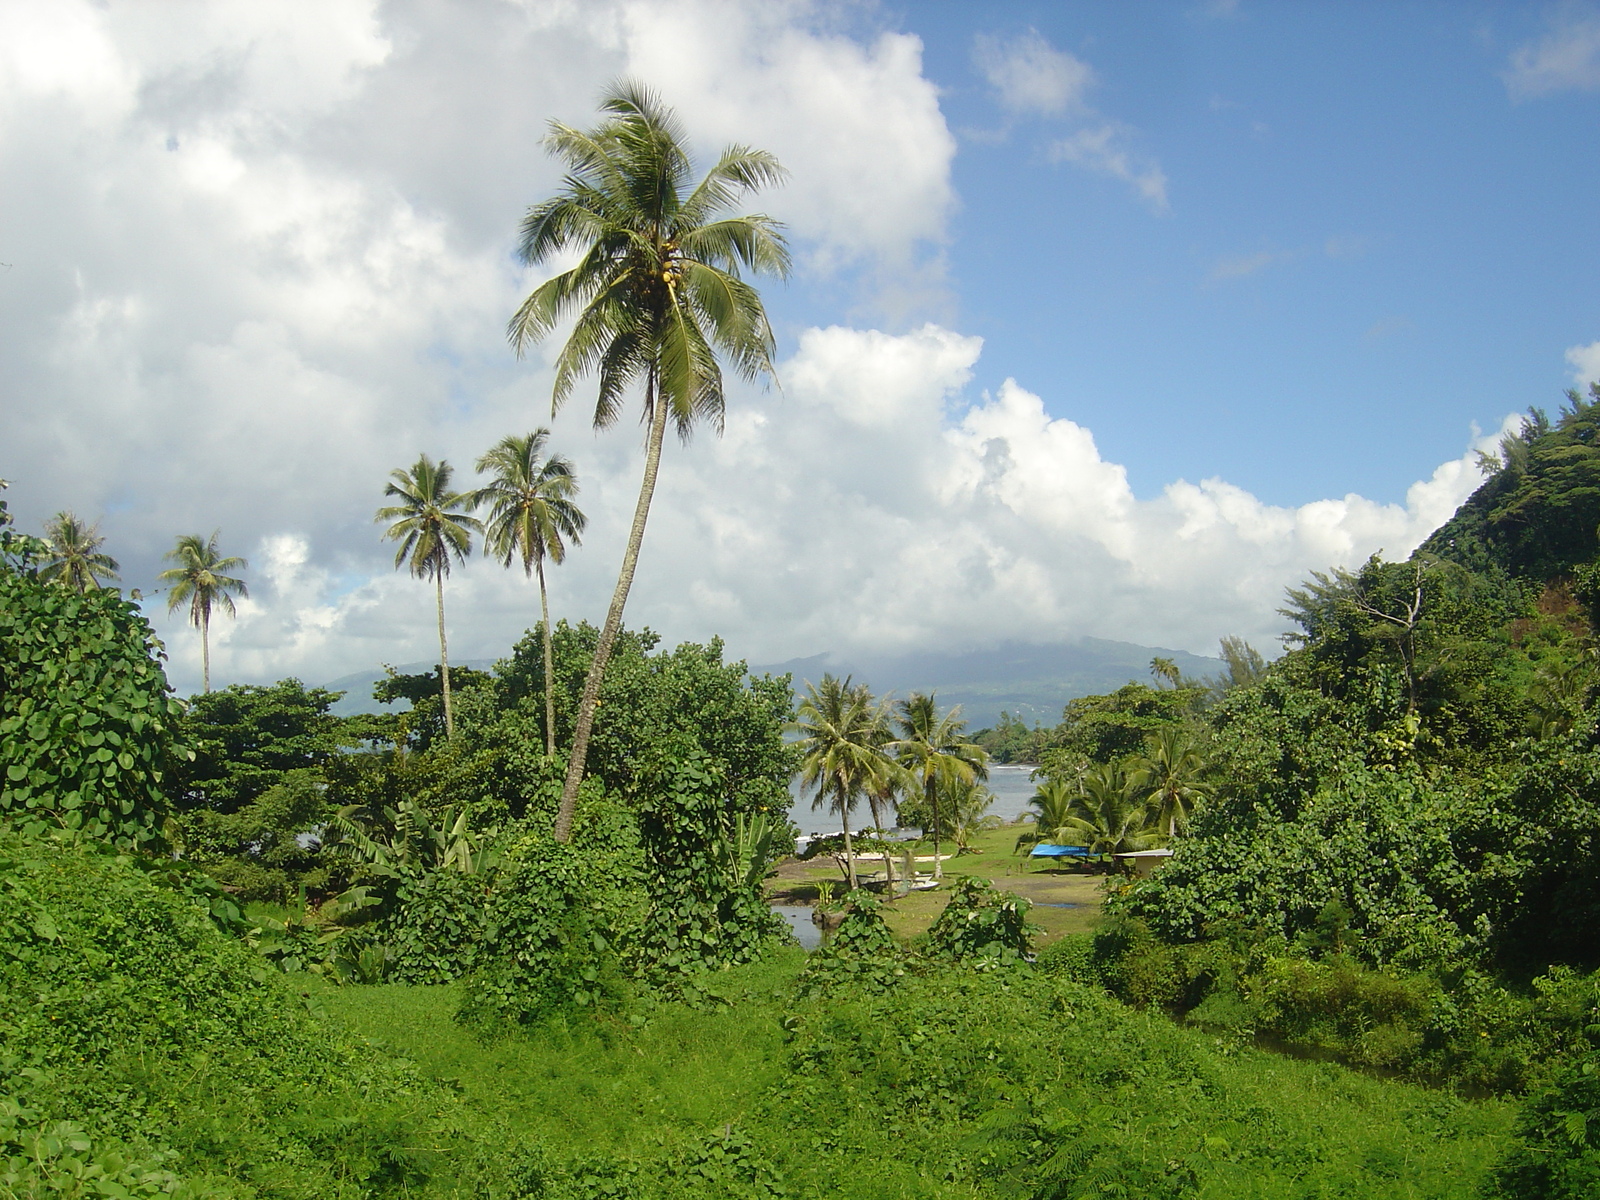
[
  {"x": 872, "y": 506},
  {"x": 261, "y": 257},
  {"x": 1566, "y": 58},
  {"x": 1031, "y": 75},
  {"x": 259, "y": 253},
  {"x": 1585, "y": 363}
]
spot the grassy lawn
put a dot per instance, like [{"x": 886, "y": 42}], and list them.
[
  {"x": 994, "y": 858},
  {"x": 856, "y": 1101}
]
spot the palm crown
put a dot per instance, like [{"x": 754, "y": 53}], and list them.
[
  {"x": 531, "y": 512},
  {"x": 75, "y": 559},
  {"x": 430, "y": 521},
  {"x": 201, "y": 580},
  {"x": 658, "y": 292}
]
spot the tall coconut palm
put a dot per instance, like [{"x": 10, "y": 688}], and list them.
[
  {"x": 657, "y": 294},
  {"x": 432, "y": 526},
  {"x": 932, "y": 747},
  {"x": 532, "y": 517},
  {"x": 75, "y": 558},
  {"x": 202, "y": 581},
  {"x": 1169, "y": 779},
  {"x": 841, "y": 758}
]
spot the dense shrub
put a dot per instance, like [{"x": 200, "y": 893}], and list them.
[
  {"x": 982, "y": 926},
  {"x": 143, "y": 1046},
  {"x": 707, "y": 907},
  {"x": 555, "y": 930},
  {"x": 1378, "y": 845},
  {"x": 86, "y": 719},
  {"x": 861, "y": 954},
  {"x": 1557, "y": 1150}
]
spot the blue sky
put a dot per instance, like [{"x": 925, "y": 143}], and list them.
[
  {"x": 1108, "y": 320},
  {"x": 1371, "y": 241}
]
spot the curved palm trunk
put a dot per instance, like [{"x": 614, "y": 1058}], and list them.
[
  {"x": 608, "y": 634},
  {"x": 849, "y": 850},
  {"x": 933, "y": 807},
  {"x": 549, "y": 666},
  {"x": 444, "y": 658}
]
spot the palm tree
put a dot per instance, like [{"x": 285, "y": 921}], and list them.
[
  {"x": 657, "y": 293},
  {"x": 1052, "y": 803},
  {"x": 893, "y": 781},
  {"x": 532, "y": 516},
  {"x": 75, "y": 558},
  {"x": 1168, "y": 778},
  {"x": 967, "y": 803},
  {"x": 201, "y": 578},
  {"x": 932, "y": 748},
  {"x": 431, "y": 525},
  {"x": 1108, "y": 816},
  {"x": 840, "y": 751}
]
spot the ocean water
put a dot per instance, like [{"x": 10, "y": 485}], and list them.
[{"x": 1012, "y": 788}]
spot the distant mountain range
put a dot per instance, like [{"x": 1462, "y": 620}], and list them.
[{"x": 1030, "y": 682}]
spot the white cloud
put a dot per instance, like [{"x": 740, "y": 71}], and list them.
[
  {"x": 867, "y": 507},
  {"x": 1103, "y": 149},
  {"x": 1585, "y": 363},
  {"x": 263, "y": 259},
  {"x": 1565, "y": 58},
  {"x": 1031, "y": 75}
]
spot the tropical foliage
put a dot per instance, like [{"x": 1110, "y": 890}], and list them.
[
  {"x": 657, "y": 295},
  {"x": 75, "y": 559}
]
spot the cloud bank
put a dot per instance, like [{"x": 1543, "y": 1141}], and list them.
[
  {"x": 259, "y": 255},
  {"x": 871, "y": 506}
]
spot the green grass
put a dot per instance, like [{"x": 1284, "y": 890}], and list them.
[
  {"x": 601, "y": 1084},
  {"x": 995, "y": 859},
  {"x": 953, "y": 1085}
]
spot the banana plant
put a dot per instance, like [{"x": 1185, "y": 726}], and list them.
[{"x": 747, "y": 852}]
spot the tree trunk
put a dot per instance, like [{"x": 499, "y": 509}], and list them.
[
  {"x": 444, "y": 659},
  {"x": 849, "y": 851},
  {"x": 205, "y": 648},
  {"x": 933, "y": 807},
  {"x": 549, "y": 667},
  {"x": 608, "y": 634},
  {"x": 888, "y": 870}
]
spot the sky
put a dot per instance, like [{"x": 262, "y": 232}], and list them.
[{"x": 1107, "y": 320}]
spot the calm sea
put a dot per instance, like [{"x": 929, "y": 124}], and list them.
[{"x": 1011, "y": 786}]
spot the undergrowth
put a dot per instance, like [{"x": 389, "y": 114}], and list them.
[{"x": 951, "y": 1083}]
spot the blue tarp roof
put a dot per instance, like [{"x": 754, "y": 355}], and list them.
[{"x": 1046, "y": 850}]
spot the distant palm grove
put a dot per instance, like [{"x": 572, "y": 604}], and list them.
[{"x": 1319, "y": 926}]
